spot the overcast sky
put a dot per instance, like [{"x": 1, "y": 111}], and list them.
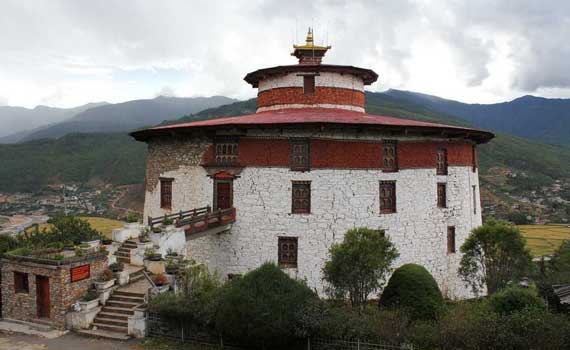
[{"x": 67, "y": 53}]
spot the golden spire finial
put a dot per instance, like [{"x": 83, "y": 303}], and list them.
[{"x": 310, "y": 37}]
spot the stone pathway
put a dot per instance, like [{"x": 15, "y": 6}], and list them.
[
  {"x": 70, "y": 341},
  {"x": 8, "y": 326}
]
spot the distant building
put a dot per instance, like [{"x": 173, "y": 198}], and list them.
[{"x": 291, "y": 179}]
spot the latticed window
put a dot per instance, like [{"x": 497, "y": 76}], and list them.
[
  {"x": 441, "y": 195},
  {"x": 226, "y": 152},
  {"x": 389, "y": 156},
  {"x": 450, "y": 240},
  {"x": 288, "y": 251},
  {"x": 300, "y": 155},
  {"x": 309, "y": 84},
  {"x": 301, "y": 200},
  {"x": 387, "y": 197},
  {"x": 21, "y": 284},
  {"x": 441, "y": 161},
  {"x": 166, "y": 193}
]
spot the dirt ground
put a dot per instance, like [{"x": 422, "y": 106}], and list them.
[{"x": 70, "y": 341}]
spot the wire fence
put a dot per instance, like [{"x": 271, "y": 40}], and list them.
[{"x": 158, "y": 328}]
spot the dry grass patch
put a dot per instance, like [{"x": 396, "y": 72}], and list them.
[{"x": 103, "y": 225}]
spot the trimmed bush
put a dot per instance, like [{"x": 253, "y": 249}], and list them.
[
  {"x": 515, "y": 299},
  {"x": 413, "y": 289},
  {"x": 261, "y": 308}
]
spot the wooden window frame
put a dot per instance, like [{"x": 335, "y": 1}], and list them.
[
  {"x": 475, "y": 158},
  {"x": 215, "y": 192},
  {"x": 294, "y": 208},
  {"x": 166, "y": 198},
  {"x": 21, "y": 282},
  {"x": 441, "y": 195},
  {"x": 451, "y": 240},
  {"x": 291, "y": 260},
  {"x": 226, "y": 151},
  {"x": 309, "y": 84},
  {"x": 392, "y": 209},
  {"x": 300, "y": 162},
  {"x": 441, "y": 164},
  {"x": 386, "y": 145}
]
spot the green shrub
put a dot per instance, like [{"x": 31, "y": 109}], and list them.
[
  {"x": 261, "y": 308},
  {"x": 8, "y": 243},
  {"x": 132, "y": 217},
  {"x": 58, "y": 257},
  {"x": 90, "y": 295},
  {"x": 24, "y": 251},
  {"x": 195, "y": 307},
  {"x": 530, "y": 329},
  {"x": 413, "y": 289},
  {"x": 515, "y": 299}
]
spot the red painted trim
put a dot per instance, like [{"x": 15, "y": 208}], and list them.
[
  {"x": 322, "y": 95},
  {"x": 347, "y": 154}
]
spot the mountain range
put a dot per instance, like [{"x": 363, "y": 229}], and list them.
[
  {"x": 536, "y": 118},
  {"x": 105, "y": 117},
  {"x": 115, "y": 158}
]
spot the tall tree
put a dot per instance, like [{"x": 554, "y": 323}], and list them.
[
  {"x": 359, "y": 265},
  {"x": 494, "y": 255}
]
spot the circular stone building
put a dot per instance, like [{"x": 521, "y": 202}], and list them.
[{"x": 287, "y": 182}]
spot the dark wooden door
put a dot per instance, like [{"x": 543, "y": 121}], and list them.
[
  {"x": 223, "y": 195},
  {"x": 43, "y": 296}
]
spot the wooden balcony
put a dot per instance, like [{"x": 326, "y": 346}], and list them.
[{"x": 200, "y": 221}]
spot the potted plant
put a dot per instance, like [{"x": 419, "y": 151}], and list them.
[
  {"x": 167, "y": 221},
  {"x": 107, "y": 241},
  {"x": 117, "y": 267},
  {"x": 172, "y": 268},
  {"x": 157, "y": 229},
  {"x": 151, "y": 255},
  {"x": 78, "y": 252},
  {"x": 161, "y": 282},
  {"x": 132, "y": 218},
  {"x": 89, "y": 301},
  {"x": 105, "y": 280},
  {"x": 171, "y": 253}
]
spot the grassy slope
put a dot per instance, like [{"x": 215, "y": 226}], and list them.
[{"x": 103, "y": 225}]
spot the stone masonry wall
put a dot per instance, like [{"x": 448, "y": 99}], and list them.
[
  {"x": 63, "y": 293},
  {"x": 340, "y": 199}
]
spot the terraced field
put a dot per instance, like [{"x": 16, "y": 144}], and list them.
[
  {"x": 103, "y": 225},
  {"x": 544, "y": 239}
]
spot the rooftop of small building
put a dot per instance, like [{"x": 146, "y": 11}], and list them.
[{"x": 317, "y": 116}]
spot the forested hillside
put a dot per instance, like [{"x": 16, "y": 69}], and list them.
[{"x": 118, "y": 159}]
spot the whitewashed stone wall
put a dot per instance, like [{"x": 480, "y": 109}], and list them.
[
  {"x": 340, "y": 200},
  {"x": 325, "y": 79}
]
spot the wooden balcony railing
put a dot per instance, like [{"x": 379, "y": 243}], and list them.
[{"x": 199, "y": 219}]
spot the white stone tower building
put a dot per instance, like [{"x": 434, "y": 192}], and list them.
[{"x": 287, "y": 182}]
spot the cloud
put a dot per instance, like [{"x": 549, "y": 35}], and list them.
[{"x": 73, "y": 52}]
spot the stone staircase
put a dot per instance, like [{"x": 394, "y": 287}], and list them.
[
  {"x": 123, "y": 254},
  {"x": 114, "y": 315}
]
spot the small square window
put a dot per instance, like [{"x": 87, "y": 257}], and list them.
[
  {"x": 301, "y": 197},
  {"x": 441, "y": 161},
  {"x": 21, "y": 284},
  {"x": 226, "y": 151},
  {"x": 300, "y": 155},
  {"x": 309, "y": 84},
  {"x": 451, "y": 240},
  {"x": 441, "y": 195},
  {"x": 387, "y": 197},
  {"x": 287, "y": 251},
  {"x": 389, "y": 156}
]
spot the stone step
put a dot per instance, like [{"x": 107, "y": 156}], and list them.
[
  {"x": 133, "y": 279},
  {"x": 117, "y": 310},
  {"x": 128, "y": 299},
  {"x": 129, "y": 294},
  {"x": 111, "y": 321},
  {"x": 129, "y": 244},
  {"x": 101, "y": 333},
  {"x": 124, "y": 330},
  {"x": 123, "y": 254},
  {"x": 124, "y": 260},
  {"x": 124, "y": 250},
  {"x": 113, "y": 316},
  {"x": 122, "y": 304},
  {"x": 130, "y": 241}
]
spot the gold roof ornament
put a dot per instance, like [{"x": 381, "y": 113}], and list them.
[{"x": 309, "y": 53}]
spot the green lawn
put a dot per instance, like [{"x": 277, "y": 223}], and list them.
[
  {"x": 3, "y": 220},
  {"x": 544, "y": 239}
]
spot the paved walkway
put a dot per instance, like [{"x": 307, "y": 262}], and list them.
[{"x": 70, "y": 341}]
